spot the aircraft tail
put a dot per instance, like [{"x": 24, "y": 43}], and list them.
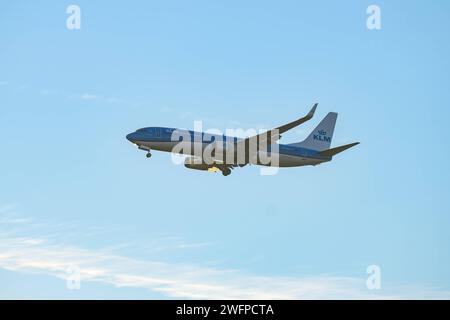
[{"x": 320, "y": 137}]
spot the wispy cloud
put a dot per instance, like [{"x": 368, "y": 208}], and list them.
[
  {"x": 39, "y": 254},
  {"x": 174, "y": 280},
  {"x": 86, "y": 97},
  {"x": 116, "y": 100},
  {"x": 166, "y": 109},
  {"x": 103, "y": 98},
  {"x": 89, "y": 96}
]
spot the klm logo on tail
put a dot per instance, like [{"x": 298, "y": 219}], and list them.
[{"x": 321, "y": 136}]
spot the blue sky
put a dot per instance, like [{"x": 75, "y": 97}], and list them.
[{"x": 73, "y": 191}]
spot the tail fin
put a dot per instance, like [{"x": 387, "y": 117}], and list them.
[{"x": 320, "y": 138}]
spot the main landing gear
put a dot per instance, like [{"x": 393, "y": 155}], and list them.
[
  {"x": 226, "y": 172},
  {"x": 148, "y": 155}
]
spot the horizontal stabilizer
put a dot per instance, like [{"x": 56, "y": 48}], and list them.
[{"x": 333, "y": 151}]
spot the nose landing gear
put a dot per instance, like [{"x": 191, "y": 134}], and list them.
[{"x": 145, "y": 148}]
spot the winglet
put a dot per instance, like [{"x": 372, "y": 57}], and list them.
[
  {"x": 313, "y": 109},
  {"x": 333, "y": 151},
  {"x": 293, "y": 124}
]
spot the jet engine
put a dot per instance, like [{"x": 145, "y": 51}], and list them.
[{"x": 190, "y": 163}]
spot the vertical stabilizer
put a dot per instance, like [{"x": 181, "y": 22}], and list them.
[{"x": 320, "y": 137}]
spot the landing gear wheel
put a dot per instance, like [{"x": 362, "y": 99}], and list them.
[
  {"x": 148, "y": 155},
  {"x": 226, "y": 172}
]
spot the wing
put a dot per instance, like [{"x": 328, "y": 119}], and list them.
[{"x": 274, "y": 135}]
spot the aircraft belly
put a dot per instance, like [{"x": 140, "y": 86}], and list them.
[
  {"x": 283, "y": 161},
  {"x": 189, "y": 149},
  {"x": 159, "y": 145},
  {"x": 294, "y": 161}
]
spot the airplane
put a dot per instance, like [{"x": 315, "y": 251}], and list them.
[{"x": 314, "y": 150}]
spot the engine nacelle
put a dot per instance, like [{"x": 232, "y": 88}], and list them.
[
  {"x": 196, "y": 165},
  {"x": 200, "y": 166}
]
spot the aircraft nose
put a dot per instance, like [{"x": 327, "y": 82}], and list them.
[{"x": 131, "y": 137}]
